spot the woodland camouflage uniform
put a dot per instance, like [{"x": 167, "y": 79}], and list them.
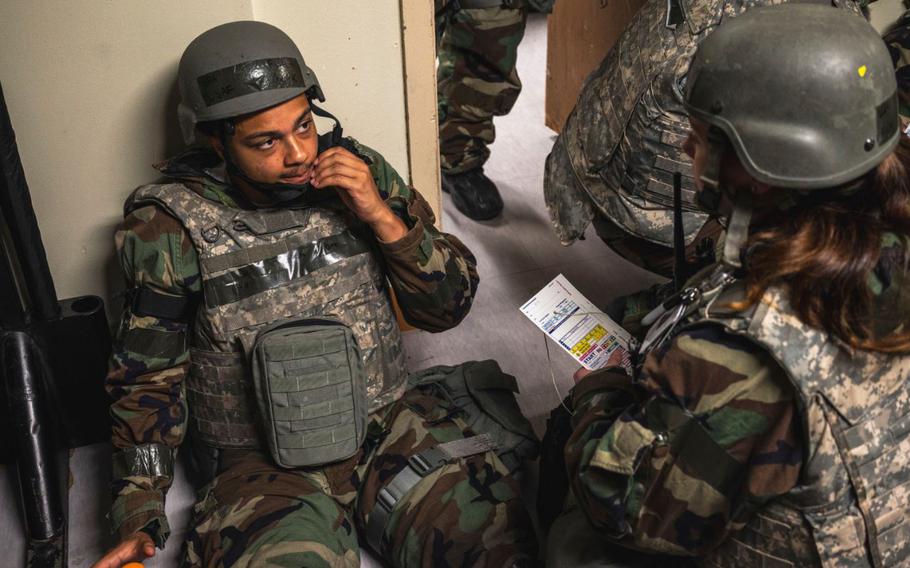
[
  {"x": 695, "y": 458},
  {"x": 476, "y": 78},
  {"x": 255, "y": 512}
]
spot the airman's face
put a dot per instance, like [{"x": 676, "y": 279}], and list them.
[
  {"x": 733, "y": 176},
  {"x": 277, "y": 145}
]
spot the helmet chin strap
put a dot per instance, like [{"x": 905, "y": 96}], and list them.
[
  {"x": 280, "y": 193},
  {"x": 737, "y": 229}
]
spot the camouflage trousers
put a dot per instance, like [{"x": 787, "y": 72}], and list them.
[
  {"x": 467, "y": 513},
  {"x": 574, "y": 543},
  {"x": 476, "y": 80}
]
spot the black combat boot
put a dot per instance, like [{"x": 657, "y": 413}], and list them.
[{"x": 473, "y": 194}]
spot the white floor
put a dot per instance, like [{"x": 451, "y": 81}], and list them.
[{"x": 517, "y": 255}]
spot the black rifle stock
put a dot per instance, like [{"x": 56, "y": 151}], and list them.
[{"x": 53, "y": 358}]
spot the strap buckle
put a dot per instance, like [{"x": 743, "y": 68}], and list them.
[
  {"x": 419, "y": 466},
  {"x": 428, "y": 461}
]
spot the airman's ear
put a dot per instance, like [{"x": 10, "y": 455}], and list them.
[{"x": 217, "y": 145}]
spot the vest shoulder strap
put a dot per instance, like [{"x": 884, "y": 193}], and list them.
[
  {"x": 816, "y": 362},
  {"x": 202, "y": 218}
]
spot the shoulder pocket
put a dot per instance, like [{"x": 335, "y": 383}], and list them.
[{"x": 621, "y": 448}]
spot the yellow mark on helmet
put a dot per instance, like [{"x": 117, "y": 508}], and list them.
[{"x": 862, "y": 71}]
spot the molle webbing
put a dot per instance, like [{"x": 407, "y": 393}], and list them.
[
  {"x": 623, "y": 141},
  {"x": 309, "y": 385},
  {"x": 653, "y": 152},
  {"x": 242, "y": 257},
  {"x": 254, "y": 270},
  {"x": 276, "y": 220},
  {"x": 877, "y": 462},
  {"x": 221, "y": 405}
]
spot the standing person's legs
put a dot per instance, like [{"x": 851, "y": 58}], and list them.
[{"x": 476, "y": 81}]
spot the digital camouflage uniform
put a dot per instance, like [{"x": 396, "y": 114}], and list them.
[
  {"x": 476, "y": 77},
  {"x": 614, "y": 160},
  {"x": 898, "y": 40},
  {"x": 255, "y": 512},
  {"x": 717, "y": 452}
]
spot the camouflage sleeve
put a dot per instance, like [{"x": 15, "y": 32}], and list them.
[
  {"x": 433, "y": 274},
  {"x": 148, "y": 363},
  {"x": 716, "y": 437}
]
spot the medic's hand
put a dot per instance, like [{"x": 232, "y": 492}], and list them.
[
  {"x": 615, "y": 360},
  {"x": 339, "y": 168},
  {"x": 135, "y": 548},
  {"x": 580, "y": 374}
]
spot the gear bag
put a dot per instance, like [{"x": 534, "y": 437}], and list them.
[
  {"x": 485, "y": 398},
  {"x": 310, "y": 388},
  {"x": 481, "y": 395}
]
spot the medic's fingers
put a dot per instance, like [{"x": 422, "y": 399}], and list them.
[{"x": 580, "y": 374}]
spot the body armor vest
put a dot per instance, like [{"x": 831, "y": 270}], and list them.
[
  {"x": 852, "y": 503},
  {"x": 265, "y": 266}
]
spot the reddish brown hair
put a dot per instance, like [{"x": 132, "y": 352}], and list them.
[{"x": 822, "y": 253}]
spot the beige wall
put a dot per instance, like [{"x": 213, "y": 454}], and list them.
[
  {"x": 354, "y": 47},
  {"x": 419, "y": 38},
  {"x": 90, "y": 87},
  {"x": 883, "y": 13}
]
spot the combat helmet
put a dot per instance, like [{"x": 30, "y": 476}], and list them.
[
  {"x": 239, "y": 68},
  {"x": 804, "y": 107}
]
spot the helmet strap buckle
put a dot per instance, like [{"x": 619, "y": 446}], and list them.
[
  {"x": 738, "y": 229},
  {"x": 337, "y": 131},
  {"x": 717, "y": 144}
]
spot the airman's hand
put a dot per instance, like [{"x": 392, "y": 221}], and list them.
[
  {"x": 135, "y": 548},
  {"x": 337, "y": 167}
]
